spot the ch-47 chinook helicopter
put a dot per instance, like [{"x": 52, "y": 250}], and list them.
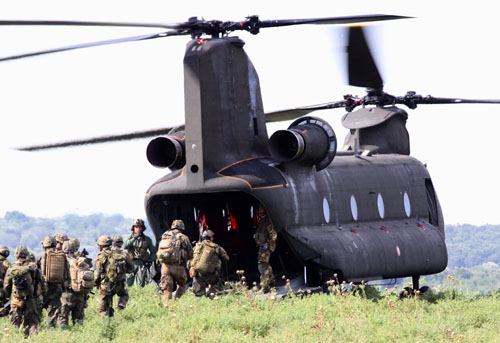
[{"x": 365, "y": 212}]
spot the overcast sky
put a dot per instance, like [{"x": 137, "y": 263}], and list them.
[{"x": 447, "y": 50}]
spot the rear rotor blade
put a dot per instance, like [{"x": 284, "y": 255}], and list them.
[
  {"x": 98, "y": 140},
  {"x": 87, "y": 23},
  {"x": 331, "y": 20},
  {"x": 87, "y": 45},
  {"x": 294, "y": 113},
  {"x": 363, "y": 71}
]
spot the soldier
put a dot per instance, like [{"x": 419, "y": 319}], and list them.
[
  {"x": 205, "y": 267},
  {"x": 265, "y": 236},
  {"x": 4, "y": 265},
  {"x": 82, "y": 281},
  {"x": 39, "y": 284},
  {"x": 109, "y": 274},
  {"x": 138, "y": 245},
  {"x": 121, "y": 289},
  {"x": 84, "y": 253},
  {"x": 19, "y": 288},
  {"x": 55, "y": 270},
  {"x": 174, "y": 251}
]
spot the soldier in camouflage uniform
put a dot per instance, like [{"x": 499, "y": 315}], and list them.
[
  {"x": 83, "y": 253},
  {"x": 265, "y": 236},
  {"x": 4, "y": 265},
  {"x": 39, "y": 284},
  {"x": 203, "y": 279},
  {"x": 175, "y": 273},
  {"x": 52, "y": 300},
  {"x": 109, "y": 274},
  {"x": 60, "y": 239},
  {"x": 122, "y": 291},
  {"x": 19, "y": 288},
  {"x": 138, "y": 245},
  {"x": 71, "y": 302}
]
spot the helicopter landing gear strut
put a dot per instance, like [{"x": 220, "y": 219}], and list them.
[{"x": 410, "y": 292}]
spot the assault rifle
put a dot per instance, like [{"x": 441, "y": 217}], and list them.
[{"x": 5, "y": 309}]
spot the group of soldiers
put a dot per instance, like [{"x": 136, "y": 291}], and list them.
[{"x": 60, "y": 278}]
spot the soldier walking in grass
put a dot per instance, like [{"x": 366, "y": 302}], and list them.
[
  {"x": 82, "y": 282},
  {"x": 55, "y": 270},
  {"x": 4, "y": 265},
  {"x": 265, "y": 237},
  {"x": 19, "y": 288},
  {"x": 206, "y": 265},
  {"x": 122, "y": 291},
  {"x": 174, "y": 251},
  {"x": 109, "y": 274},
  {"x": 39, "y": 284},
  {"x": 143, "y": 252}
]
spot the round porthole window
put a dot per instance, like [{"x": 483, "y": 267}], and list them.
[
  {"x": 380, "y": 205},
  {"x": 406, "y": 200},
  {"x": 354, "y": 208},
  {"x": 326, "y": 210}
]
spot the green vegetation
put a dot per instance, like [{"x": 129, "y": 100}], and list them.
[{"x": 448, "y": 316}]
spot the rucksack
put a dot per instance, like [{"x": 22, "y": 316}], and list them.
[
  {"x": 169, "y": 250},
  {"x": 116, "y": 269},
  {"x": 207, "y": 258},
  {"x": 82, "y": 278},
  {"x": 55, "y": 267},
  {"x": 22, "y": 283}
]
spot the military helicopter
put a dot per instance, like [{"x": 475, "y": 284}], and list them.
[{"x": 366, "y": 212}]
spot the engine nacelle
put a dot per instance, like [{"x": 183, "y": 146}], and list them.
[
  {"x": 167, "y": 152},
  {"x": 308, "y": 141}
]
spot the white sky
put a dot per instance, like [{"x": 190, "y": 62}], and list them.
[{"x": 449, "y": 50}]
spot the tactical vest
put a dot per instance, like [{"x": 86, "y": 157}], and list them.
[
  {"x": 22, "y": 283},
  {"x": 141, "y": 252},
  {"x": 206, "y": 258},
  {"x": 262, "y": 235}
]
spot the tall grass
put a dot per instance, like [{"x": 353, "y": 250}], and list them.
[{"x": 247, "y": 316}]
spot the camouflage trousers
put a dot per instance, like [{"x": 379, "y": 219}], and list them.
[
  {"x": 52, "y": 302},
  {"x": 201, "y": 282},
  {"x": 105, "y": 298},
  {"x": 138, "y": 276},
  {"x": 172, "y": 275},
  {"x": 72, "y": 304},
  {"x": 23, "y": 314},
  {"x": 265, "y": 269}
]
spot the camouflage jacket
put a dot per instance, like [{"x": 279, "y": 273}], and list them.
[
  {"x": 39, "y": 284},
  {"x": 130, "y": 264},
  {"x": 221, "y": 253},
  {"x": 266, "y": 235},
  {"x": 101, "y": 261},
  {"x": 138, "y": 248},
  {"x": 4, "y": 265},
  {"x": 9, "y": 280}
]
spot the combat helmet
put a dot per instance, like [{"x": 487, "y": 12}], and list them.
[
  {"x": 4, "y": 251},
  {"x": 75, "y": 242},
  {"x": 61, "y": 237},
  {"x": 117, "y": 240},
  {"x": 21, "y": 251},
  {"x": 68, "y": 247},
  {"x": 138, "y": 222},
  {"x": 31, "y": 257},
  {"x": 177, "y": 224},
  {"x": 207, "y": 234},
  {"x": 104, "y": 240},
  {"x": 49, "y": 242}
]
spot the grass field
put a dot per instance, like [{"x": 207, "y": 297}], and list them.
[{"x": 247, "y": 316}]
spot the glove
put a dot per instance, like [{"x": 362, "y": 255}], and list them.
[{"x": 191, "y": 272}]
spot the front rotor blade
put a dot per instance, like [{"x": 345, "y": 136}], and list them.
[
  {"x": 331, "y": 20},
  {"x": 432, "y": 100},
  {"x": 363, "y": 71},
  {"x": 101, "y": 139},
  {"x": 294, "y": 113},
  {"x": 87, "y": 45},
  {"x": 86, "y": 23}
]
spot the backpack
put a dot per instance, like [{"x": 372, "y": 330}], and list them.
[
  {"x": 22, "y": 283},
  {"x": 116, "y": 269},
  {"x": 207, "y": 258},
  {"x": 82, "y": 278},
  {"x": 55, "y": 267},
  {"x": 169, "y": 250}
]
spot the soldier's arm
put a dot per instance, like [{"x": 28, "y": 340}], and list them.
[
  {"x": 98, "y": 271},
  {"x": 223, "y": 254},
  {"x": 189, "y": 248},
  {"x": 129, "y": 243},
  {"x": 7, "y": 284},
  {"x": 273, "y": 236},
  {"x": 152, "y": 248}
]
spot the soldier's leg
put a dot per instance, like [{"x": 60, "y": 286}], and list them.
[
  {"x": 166, "y": 283},
  {"x": 180, "y": 276},
  {"x": 53, "y": 305},
  {"x": 66, "y": 305},
  {"x": 30, "y": 320},
  {"x": 140, "y": 280},
  {"x": 104, "y": 302},
  {"x": 78, "y": 308},
  {"x": 16, "y": 311},
  {"x": 198, "y": 285},
  {"x": 122, "y": 293},
  {"x": 266, "y": 272}
]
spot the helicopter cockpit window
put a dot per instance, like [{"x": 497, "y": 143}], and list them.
[
  {"x": 354, "y": 208},
  {"x": 380, "y": 205},
  {"x": 326, "y": 210},
  {"x": 407, "y": 204}
]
